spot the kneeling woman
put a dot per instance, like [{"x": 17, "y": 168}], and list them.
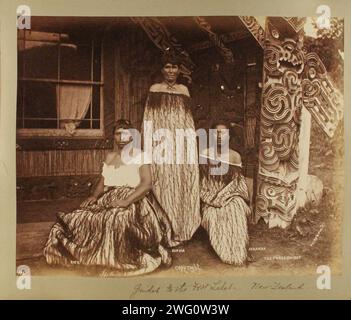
[
  {"x": 224, "y": 201},
  {"x": 116, "y": 227}
]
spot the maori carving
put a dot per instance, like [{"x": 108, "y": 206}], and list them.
[
  {"x": 277, "y": 103},
  {"x": 284, "y": 55},
  {"x": 292, "y": 78},
  {"x": 320, "y": 97},
  {"x": 224, "y": 38},
  {"x": 276, "y": 199},
  {"x": 254, "y": 27},
  {"x": 226, "y": 53},
  {"x": 284, "y": 63},
  {"x": 296, "y": 23}
]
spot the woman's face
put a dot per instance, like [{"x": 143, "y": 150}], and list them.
[
  {"x": 122, "y": 137},
  {"x": 170, "y": 72},
  {"x": 222, "y": 133}
]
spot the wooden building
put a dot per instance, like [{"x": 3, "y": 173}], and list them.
[{"x": 257, "y": 77}]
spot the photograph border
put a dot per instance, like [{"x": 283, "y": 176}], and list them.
[{"x": 243, "y": 287}]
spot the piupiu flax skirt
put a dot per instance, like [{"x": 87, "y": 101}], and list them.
[
  {"x": 176, "y": 186},
  {"x": 225, "y": 211},
  {"x": 124, "y": 239}
]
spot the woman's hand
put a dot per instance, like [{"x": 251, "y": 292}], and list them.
[
  {"x": 87, "y": 202},
  {"x": 120, "y": 203}
]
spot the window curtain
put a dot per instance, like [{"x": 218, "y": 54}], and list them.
[{"x": 74, "y": 102}]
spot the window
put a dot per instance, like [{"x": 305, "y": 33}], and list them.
[{"x": 59, "y": 85}]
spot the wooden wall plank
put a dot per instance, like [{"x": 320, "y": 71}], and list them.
[{"x": 59, "y": 162}]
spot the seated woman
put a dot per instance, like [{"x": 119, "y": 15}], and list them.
[
  {"x": 117, "y": 229},
  {"x": 224, "y": 201}
]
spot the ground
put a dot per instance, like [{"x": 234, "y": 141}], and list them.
[{"x": 313, "y": 239}]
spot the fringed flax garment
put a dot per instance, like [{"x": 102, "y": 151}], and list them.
[
  {"x": 124, "y": 239},
  {"x": 176, "y": 186},
  {"x": 225, "y": 210}
]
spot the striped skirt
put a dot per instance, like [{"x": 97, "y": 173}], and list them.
[
  {"x": 126, "y": 239},
  {"x": 225, "y": 211},
  {"x": 175, "y": 185},
  {"x": 227, "y": 230}
]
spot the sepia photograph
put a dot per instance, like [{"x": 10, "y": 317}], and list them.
[{"x": 179, "y": 146}]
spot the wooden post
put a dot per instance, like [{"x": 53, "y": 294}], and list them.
[
  {"x": 296, "y": 86},
  {"x": 278, "y": 172},
  {"x": 304, "y": 156}
]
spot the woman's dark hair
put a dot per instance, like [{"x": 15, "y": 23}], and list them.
[
  {"x": 122, "y": 124},
  {"x": 170, "y": 57},
  {"x": 219, "y": 122}
]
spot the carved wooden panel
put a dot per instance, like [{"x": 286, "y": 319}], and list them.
[
  {"x": 280, "y": 123},
  {"x": 254, "y": 27},
  {"x": 225, "y": 52},
  {"x": 321, "y": 98}
]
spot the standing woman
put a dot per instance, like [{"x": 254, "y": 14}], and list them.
[
  {"x": 175, "y": 186},
  {"x": 116, "y": 227}
]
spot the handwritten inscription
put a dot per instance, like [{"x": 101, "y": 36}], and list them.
[
  {"x": 276, "y": 286},
  {"x": 195, "y": 286},
  {"x": 148, "y": 289},
  {"x": 211, "y": 286}
]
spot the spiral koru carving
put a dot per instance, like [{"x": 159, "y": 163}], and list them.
[
  {"x": 271, "y": 58},
  {"x": 311, "y": 92},
  {"x": 291, "y": 81},
  {"x": 268, "y": 156},
  {"x": 314, "y": 68},
  {"x": 266, "y": 129},
  {"x": 277, "y": 104},
  {"x": 285, "y": 139}
]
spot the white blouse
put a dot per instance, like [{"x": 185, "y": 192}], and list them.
[{"x": 124, "y": 175}]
